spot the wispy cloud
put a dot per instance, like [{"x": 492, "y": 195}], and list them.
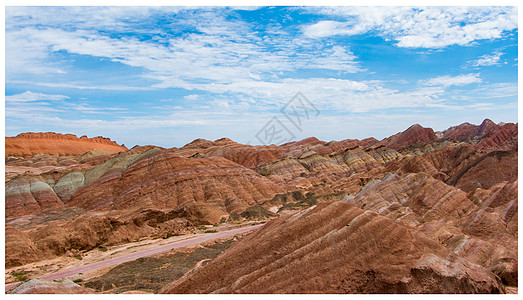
[
  {"x": 226, "y": 50},
  {"x": 488, "y": 60},
  {"x": 221, "y": 68},
  {"x": 427, "y": 27},
  {"x": 447, "y": 81},
  {"x": 84, "y": 86},
  {"x": 30, "y": 96}
]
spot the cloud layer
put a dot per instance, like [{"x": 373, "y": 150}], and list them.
[
  {"x": 164, "y": 67},
  {"x": 429, "y": 27}
]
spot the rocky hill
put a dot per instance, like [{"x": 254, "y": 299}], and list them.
[
  {"x": 417, "y": 212},
  {"x": 56, "y": 144},
  {"x": 338, "y": 248}
]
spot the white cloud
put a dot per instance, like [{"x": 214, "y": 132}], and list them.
[
  {"x": 191, "y": 97},
  {"x": 428, "y": 27},
  {"x": 30, "y": 96},
  {"x": 329, "y": 28},
  {"x": 221, "y": 51},
  {"x": 488, "y": 60},
  {"x": 83, "y": 86},
  {"x": 228, "y": 60},
  {"x": 496, "y": 90},
  {"x": 446, "y": 81}
]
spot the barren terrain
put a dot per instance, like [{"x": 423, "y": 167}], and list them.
[{"x": 417, "y": 212}]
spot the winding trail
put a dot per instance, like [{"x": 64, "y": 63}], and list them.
[{"x": 149, "y": 252}]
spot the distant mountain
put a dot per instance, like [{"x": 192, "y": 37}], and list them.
[{"x": 56, "y": 144}]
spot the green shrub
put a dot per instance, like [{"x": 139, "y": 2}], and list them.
[
  {"x": 20, "y": 275},
  {"x": 211, "y": 231},
  {"x": 168, "y": 234}
]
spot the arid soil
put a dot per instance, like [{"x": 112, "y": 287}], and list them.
[
  {"x": 96, "y": 262},
  {"x": 447, "y": 199},
  {"x": 150, "y": 274}
]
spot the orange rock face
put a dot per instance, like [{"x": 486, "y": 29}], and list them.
[{"x": 27, "y": 144}]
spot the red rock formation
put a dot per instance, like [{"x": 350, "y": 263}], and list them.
[
  {"x": 486, "y": 135},
  {"x": 474, "y": 225},
  {"x": 414, "y": 135},
  {"x": 488, "y": 170},
  {"x": 461, "y": 193},
  {"x": 335, "y": 146},
  {"x": 460, "y": 133},
  {"x": 19, "y": 248},
  {"x": 464, "y": 165},
  {"x": 29, "y": 195},
  {"x": 337, "y": 248},
  {"x": 505, "y": 136},
  {"x": 26, "y": 144},
  {"x": 245, "y": 155},
  {"x": 164, "y": 180}
]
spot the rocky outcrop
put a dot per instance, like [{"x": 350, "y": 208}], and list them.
[
  {"x": 164, "y": 180},
  {"x": 245, "y": 155},
  {"x": 39, "y": 286},
  {"x": 341, "y": 249},
  {"x": 487, "y": 134},
  {"x": 463, "y": 165},
  {"x": 487, "y": 170},
  {"x": 68, "y": 236},
  {"x": 479, "y": 226},
  {"x": 19, "y": 248},
  {"x": 29, "y": 195},
  {"x": 58, "y": 178},
  {"x": 27, "y": 144},
  {"x": 415, "y": 135}
]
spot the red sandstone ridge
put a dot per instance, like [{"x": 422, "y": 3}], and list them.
[
  {"x": 57, "y": 144},
  {"x": 488, "y": 134},
  {"x": 338, "y": 248},
  {"x": 415, "y": 134}
]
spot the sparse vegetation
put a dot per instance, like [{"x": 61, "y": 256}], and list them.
[
  {"x": 167, "y": 235},
  {"x": 256, "y": 213},
  {"x": 211, "y": 231},
  {"x": 78, "y": 280},
  {"x": 20, "y": 275},
  {"x": 103, "y": 249},
  {"x": 79, "y": 257},
  {"x": 135, "y": 246},
  {"x": 150, "y": 274},
  {"x": 263, "y": 171}
]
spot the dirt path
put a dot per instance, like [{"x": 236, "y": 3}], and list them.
[{"x": 143, "y": 253}]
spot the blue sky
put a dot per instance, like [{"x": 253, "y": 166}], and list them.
[{"x": 168, "y": 75}]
